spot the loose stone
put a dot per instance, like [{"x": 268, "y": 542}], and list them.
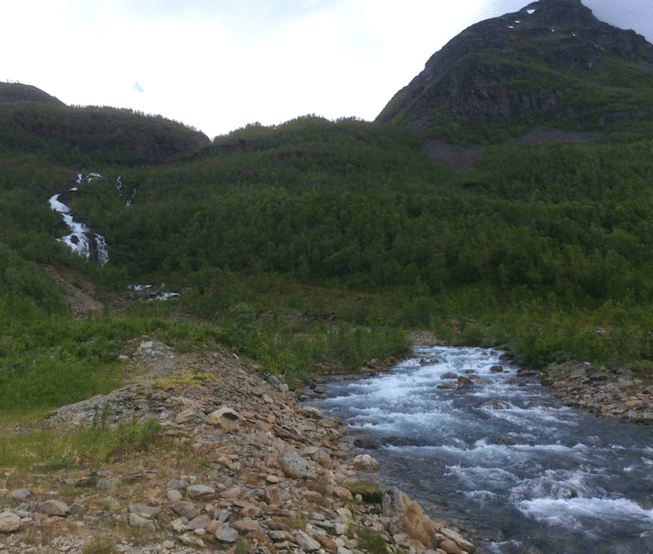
[
  {"x": 227, "y": 534},
  {"x": 9, "y": 522}
]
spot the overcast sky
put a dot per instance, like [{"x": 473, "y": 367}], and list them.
[{"x": 220, "y": 64}]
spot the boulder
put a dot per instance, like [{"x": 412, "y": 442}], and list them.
[
  {"x": 394, "y": 502},
  {"x": 226, "y": 418},
  {"x": 365, "y": 462},
  {"x": 341, "y": 492},
  {"x": 296, "y": 467},
  {"x": 305, "y": 542},
  {"x": 418, "y": 526},
  {"x": 326, "y": 542},
  {"x": 462, "y": 542},
  {"x": 226, "y": 534},
  {"x": 53, "y": 508},
  {"x": 136, "y": 520},
  {"x": 310, "y": 412},
  {"x": 143, "y": 510},
  {"x": 318, "y": 455},
  {"x": 185, "y": 509},
  {"x": 450, "y": 547},
  {"x": 200, "y": 492},
  {"x": 20, "y": 495},
  {"x": 9, "y": 522}
]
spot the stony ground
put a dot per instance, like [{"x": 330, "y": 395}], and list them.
[
  {"x": 243, "y": 467},
  {"x": 607, "y": 393}
]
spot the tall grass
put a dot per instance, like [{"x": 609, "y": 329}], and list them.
[{"x": 97, "y": 445}]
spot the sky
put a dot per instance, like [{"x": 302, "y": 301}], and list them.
[{"x": 218, "y": 65}]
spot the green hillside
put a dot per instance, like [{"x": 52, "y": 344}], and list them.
[
  {"x": 314, "y": 245},
  {"x": 86, "y": 136}
]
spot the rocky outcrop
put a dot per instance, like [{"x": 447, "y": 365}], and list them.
[
  {"x": 606, "y": 393},
  {"x": 245, "y": 469}
]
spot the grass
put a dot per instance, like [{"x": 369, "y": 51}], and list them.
[
  {"x": 189, "y": 377},
  {"x": 371, "y": 541},
  {"x": 54, "y": 450},
  {"x": 100, "y": 546}
]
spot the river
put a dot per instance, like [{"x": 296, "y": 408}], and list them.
[{"x": 502, "y": 456}]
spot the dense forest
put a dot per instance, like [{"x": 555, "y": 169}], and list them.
[{"x": 315, "y": 245}]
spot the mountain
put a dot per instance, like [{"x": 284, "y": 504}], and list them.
[
  {"x": 551, "y": 63},
  {"x": 33, "y": 122},
  {"x": 16, "y": 92}
]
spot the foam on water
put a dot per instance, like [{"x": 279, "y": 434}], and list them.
[
  {"x": 573, "y": 512},
  {"x": 511, "y": 454}
]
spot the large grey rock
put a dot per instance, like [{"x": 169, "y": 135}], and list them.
[
  {"x": 20, "y": 495},
  {"x": 394, "y": 502},
  {"x": 296, "y": 467},
  {"x": 318, "y": 455},
  {"x": 136, "y": 520},
  {"x": 185, "y": 509},
  {"x": 200, "y": 492},
  {"x": 143, "y": 510},
  {"x": 226, "y": 534},
  {"x": 53, "y": 508},
  {"x": 461, "y": 541},
  {"x": 200, "y": 522},
  {"x": 305, "y": 542},
  {"x": 177, "y": 484}
]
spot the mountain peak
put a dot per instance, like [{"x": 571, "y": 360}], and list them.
[
  {"x": 552, "y": 61},
  {"x": 561, "y": 11}
]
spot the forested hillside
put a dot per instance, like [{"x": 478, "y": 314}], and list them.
[{"x": 315, "y": 245}]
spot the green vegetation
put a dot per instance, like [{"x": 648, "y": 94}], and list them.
[
  {"x": 93, "y": 135},
  {"x": 313, "y": 246},
  {"x": 100, "y": 546},
  {"x": 371, "y": 541},
  {"x": 97, "y": 445}
]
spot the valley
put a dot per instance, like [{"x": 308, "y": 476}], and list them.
[{"x": 502, "y": 201}]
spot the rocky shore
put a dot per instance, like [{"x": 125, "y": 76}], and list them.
[
  {"x": 606, "y": 393},
  {"x": 245, "y": 469}
]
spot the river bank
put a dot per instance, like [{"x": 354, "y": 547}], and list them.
[
  {"x": 616, "y": 393},
  {"x": 244, "y": 469}
]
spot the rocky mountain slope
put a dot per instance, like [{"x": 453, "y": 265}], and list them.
[{"x": 552, "y": 62}]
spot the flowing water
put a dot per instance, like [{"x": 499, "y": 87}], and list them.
[
  {"x": 502, "y": 456},
  {"x": 81, "y": 238}
]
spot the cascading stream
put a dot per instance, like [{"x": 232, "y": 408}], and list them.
[
  {"x": 81, "y": 238},
  {"x": 503, "y": 456}
]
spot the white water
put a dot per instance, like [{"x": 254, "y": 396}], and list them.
[
  {"x": 81, "y": 239},
  {"x": 532, "y": 474}
]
